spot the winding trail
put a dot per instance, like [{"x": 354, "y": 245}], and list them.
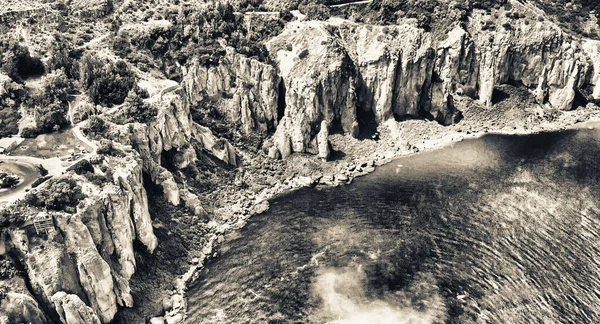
[{"x": 29, "y": 165}]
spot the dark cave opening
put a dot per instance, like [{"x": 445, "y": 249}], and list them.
[
  {"x": 367, "y": 123},
  {"x": 281, "y": 101},
  {"x": 580, "y": 99},
  {"x": 499, "y": 96}
]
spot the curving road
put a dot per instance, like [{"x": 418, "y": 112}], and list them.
[{"x": 26, "y": 166}]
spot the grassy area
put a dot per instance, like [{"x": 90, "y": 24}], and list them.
[{"x": 49, "y": 145}]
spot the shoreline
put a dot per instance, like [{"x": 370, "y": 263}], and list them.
[{"x": 346, "y": 173}]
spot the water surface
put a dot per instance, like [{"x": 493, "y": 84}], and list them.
[{"x": 500, "y": 229}]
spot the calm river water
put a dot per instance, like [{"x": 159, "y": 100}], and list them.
[{"x": 500, "y": 229}]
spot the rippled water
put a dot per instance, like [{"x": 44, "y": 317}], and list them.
[{"x": 500, "y": 229}]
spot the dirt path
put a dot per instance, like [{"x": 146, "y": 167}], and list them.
[{"x": 350, "y": 3}]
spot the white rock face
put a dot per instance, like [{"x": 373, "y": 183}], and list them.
[
  {"x": 592, "y": 49},
  {"x": 72, "y": 310},
  {"x": 331, "y": 70},
  {"x": 538, "y": 55},
  {"x": 172, "y": 132},
  {"x": 84, "y": 268},
  {"x": 320, "y": 83},
  {"x": 20, "y": 307},
  {"x": 94, "y": 272},
  {"x": 244, "y": 90},
  {"x": 323, "y": 141}
]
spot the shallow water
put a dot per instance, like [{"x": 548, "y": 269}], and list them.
[{"x": 500, "y": 229}]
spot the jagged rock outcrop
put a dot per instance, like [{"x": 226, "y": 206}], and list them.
[
  {"x": 168, "y": 141},
  {"x": 323, "y": 141},
  {"x": 320, "y": 84},
  {"x": 243, "y": 90},
  {"x": 538, "y": 55},
  {"x": 408, "y": 74},
  {"x": 72, "y": 310},
  {"x": 18, "y": 305},
  {"x": 82, "y": 270}
]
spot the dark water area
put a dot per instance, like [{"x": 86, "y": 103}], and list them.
[{"x": 500, "y": 229}]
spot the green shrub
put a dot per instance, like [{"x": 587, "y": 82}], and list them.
[
  {"x": 106, "y": 147},
  {"x": 315, "y": 11},
  {"x": 303, "y": 54},
  {"x": 51, "y": 104},
  {"x": 7, "y": 268},
  {"x": 97, "y": 179},
  {"x": 29, "y": 132},
  {"x": 10, "y": 101},
  {"x": 135, "y": 109},
  {"x": 8, "y": 180}
]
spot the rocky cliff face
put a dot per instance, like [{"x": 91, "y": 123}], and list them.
[
  {"x": 244, "y": 90},
  {"x": 332, "y": 71},
  {"x": 169, "y": 140},
  {"x": 18, "y": 305},
  {"x": 80, "y": 273},
  {"x": 320, "y": 84}
]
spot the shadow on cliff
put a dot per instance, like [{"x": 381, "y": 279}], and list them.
[{"x": 177, "y": 233}]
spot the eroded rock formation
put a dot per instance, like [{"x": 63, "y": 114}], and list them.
[
  {"x": 81, "y": 271},
  {"x": 331, "y": 70}
]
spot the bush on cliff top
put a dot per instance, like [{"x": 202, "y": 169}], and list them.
[
  {"x": 197, "y": 33},
  {"x": 61, "y": 195},
  {"x": 135, "y": 110}
]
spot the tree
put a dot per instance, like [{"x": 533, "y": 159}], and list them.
[
  {"x": 315, "y": 11},
  {"x": 135, "y": 109},
  {"x": 10, "y": 100},
  {"x": 51, "y": 104},
  {"x": 96, "y": 125},
  {"x": 59, "y": 54},
  {"x": 106, "y": 83},
  {"x": 17, "y": 62}
]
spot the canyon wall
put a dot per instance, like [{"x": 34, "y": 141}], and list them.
[
  {"x": 242, "y": 89},
  {"x": 337, "y": 70}
]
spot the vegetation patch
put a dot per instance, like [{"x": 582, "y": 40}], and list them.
[
  {"x": 8, "y": 180},
  {"x": 135, "y": 110},
  {"x": 61, "y": 195},
  {"x": 106, "y": 83},
  {"x": 11, "y": 96},
  {"x": 17, "y": 62},
  {"x": 50, "y": 106},
  {"x": 197, "y": 32},
  {"x": 574, "y": 15}
]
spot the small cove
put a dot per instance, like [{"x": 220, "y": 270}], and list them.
[{"x": 500, "y": 228}]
